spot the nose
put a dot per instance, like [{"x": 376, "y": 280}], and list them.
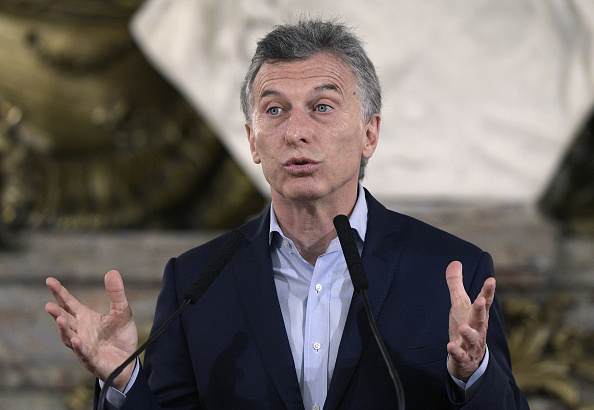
[{"x": 298, "y": 129}]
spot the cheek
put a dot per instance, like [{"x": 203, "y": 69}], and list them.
[
  {"x": 264, "y": 148},
  {"x": 349, "y": 152},
  {"x": 264, "y": 137},
  {"x": 261, "y": 146},
  {"x": 352, "y": 144}
]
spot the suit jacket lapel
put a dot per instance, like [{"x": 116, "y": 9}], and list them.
[
  {"x": 380, "y": 256},
  {"x": 255, "y": 282}
]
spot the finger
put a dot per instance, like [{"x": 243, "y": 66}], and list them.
[
  {"x": 114, "y": 286},
  {"x": 81, "y": 351},
  {"x": 56, "y": 311},
  {"x": 460, "y": 364},
  {"x": 65, "y": 332},
  {"x": 488, "y": 291},
  {"x": 479, "y": 315},
  {"x": 456, "y": 352},
  {"x": 471, "y": 341},
  {"x": 53, "y": 309},
  {"x": 458, "y": 295},
  {"x": 65, "y": 300}
]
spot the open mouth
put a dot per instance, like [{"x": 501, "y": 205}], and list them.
[
  {"x": 299, "y": 161},
  {"x": 300, "y": 165}
]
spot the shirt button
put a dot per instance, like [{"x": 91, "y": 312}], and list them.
[
  {"x": 315, "y": 407},
  {"x": 286, "y": 244},
  {"x": 318, "y": 287},
  {"x": 317, "y": 346}
]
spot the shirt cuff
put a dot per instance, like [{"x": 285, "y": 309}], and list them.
[
  {"x": 466, "y": 387},
  {"x": 114, "y": 396}
]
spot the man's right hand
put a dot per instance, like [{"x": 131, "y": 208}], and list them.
[{"x": 100, "y": 342}]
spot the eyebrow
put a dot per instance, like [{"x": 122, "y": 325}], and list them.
[
  {"x": 266, "y": 93},
  {"x": 323, "y": 87},
  {"x": 330, "y": 87}
]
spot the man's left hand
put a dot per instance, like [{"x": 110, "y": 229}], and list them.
[{"x": 468, "y": 324}]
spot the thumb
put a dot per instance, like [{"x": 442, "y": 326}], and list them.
[{"x": 114, "y": 285}]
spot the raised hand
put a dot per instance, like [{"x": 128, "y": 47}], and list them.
[
  {"x": 100, "y": 342},
  {"x": 468, "y": 324}
]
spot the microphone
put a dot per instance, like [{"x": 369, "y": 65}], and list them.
[
  {"x": 351, "y": 253},
  {"x": 195, "y": 292},
  {"x": 215, "y": 266},
  {"x": 359, "y": 279}
]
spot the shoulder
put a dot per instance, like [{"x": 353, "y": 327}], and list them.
[
  {"x": 201, "y": 254},
  {"x": 422, "y": 245},
  {"x": 413, "y": 234}
]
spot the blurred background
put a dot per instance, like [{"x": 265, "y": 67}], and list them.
[{"x": 122, "y": 144}]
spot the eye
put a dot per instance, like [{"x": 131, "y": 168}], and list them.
[
  {"x": 274, "y": 110},
  {"x": 323, "y": 108}
]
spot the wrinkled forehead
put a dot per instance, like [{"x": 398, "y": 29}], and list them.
[{"x": 322, "y": 69}]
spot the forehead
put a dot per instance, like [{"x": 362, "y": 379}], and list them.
[{"x": 321, "y": 69}]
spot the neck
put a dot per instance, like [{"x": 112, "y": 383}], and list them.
[{"x": 309, "y": 224}]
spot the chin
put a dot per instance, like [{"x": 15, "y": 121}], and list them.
[
  {"x": 304, "y": 192},
  {"x": 304, "y": 196}
]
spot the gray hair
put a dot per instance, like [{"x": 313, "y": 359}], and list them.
[{"x": 304, "y": 40}]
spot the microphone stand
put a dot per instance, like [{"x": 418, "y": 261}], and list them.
[
  {"x": 360, "y": 284},
  {"x": 391, "y": 369}
]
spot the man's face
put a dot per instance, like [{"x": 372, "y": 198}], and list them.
[{"x": 307, "y": 130}]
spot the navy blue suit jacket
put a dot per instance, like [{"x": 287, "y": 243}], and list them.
[{"x": 230, "y": 350}]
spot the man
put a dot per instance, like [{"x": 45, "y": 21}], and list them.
[{"x": 280, "y": 327}]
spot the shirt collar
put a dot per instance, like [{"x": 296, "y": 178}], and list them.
[{"x": 358, "y": 219}]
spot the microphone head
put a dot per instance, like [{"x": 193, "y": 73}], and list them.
[
  {"x": 351, "y": 252},
  {"x": 228, "y": 250},
  {"x": 215, "y": 266}
]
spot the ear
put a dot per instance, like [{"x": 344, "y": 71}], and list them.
[
  {"x": 371, "y": 136},
  {"x": 251, "y": 139}
]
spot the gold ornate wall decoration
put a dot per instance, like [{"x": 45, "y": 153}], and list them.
[
  {"x": 92, "y": 137},
  {"x": 549, "y": 357}
]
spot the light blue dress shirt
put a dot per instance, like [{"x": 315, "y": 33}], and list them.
[{"x": 314, "y": 301}]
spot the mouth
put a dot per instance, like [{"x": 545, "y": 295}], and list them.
[
  {"x": 300, "y": 165},
  {"x": 299, "y": 161}
]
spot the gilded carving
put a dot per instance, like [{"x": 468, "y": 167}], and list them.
[
  {"x": 92, "y": 137},
  {"x": 549, "y": 357}
]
